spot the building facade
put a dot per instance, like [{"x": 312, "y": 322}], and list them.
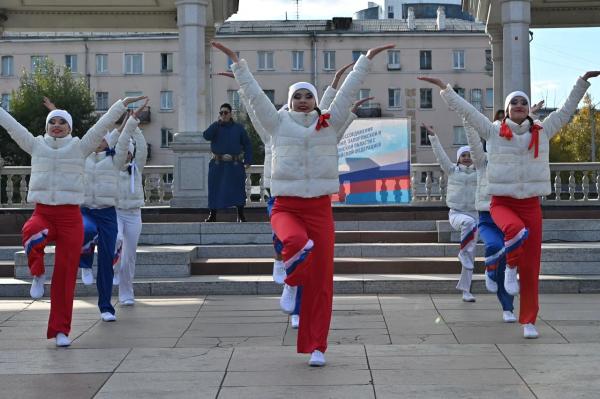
[
  {"x": 283, "y": 52},
  {"x": 114, "y": 65}
]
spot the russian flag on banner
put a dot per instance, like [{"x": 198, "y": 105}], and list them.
[{"x": 374, "y": 162}]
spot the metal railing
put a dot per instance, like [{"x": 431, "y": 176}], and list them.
[{"x": 575, "y": 184}]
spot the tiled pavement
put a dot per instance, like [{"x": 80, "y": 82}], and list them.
[{"x": 386, "y": 346}]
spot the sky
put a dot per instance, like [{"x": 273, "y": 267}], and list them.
[{"x": 558, "y": 56}]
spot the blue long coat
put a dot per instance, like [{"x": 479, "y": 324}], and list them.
[{"x": 226, "y": 180}]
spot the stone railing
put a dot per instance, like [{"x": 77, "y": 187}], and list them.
[{"x": 572, "y": 184}]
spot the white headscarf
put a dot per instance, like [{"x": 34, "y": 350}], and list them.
[
  {"x": 513, "y": 95},
  {"x": 61, "y": 113},
  {"x": 302, "y": 85},
  {"x": 461, "y": 150}
]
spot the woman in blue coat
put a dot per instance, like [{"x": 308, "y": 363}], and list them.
[{"x": 232, "y": 154}]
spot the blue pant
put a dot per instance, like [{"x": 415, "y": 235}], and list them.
[
  {"x": 493, "y": 240},
  {"x": 100, "y": 227},
  {"x": 278, "y": 245}
]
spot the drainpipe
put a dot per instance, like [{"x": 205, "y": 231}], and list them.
[
  {"x": 313, "y": 50},
  {"x": 86, "y": 63}
]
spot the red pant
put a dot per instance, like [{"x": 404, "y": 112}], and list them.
[
  {"x": 295, "y": 221},
  {"x": 63, "y": 225},
  {"x": 521, "y": 222}
]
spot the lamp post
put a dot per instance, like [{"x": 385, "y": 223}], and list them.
[{"x": 593, "y": 129}]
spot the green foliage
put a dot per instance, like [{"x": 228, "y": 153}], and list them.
[
  {"x": 258, "y": 148},
  {"x": 63, "y": 89},
  {"x": 573, "y": 142}
]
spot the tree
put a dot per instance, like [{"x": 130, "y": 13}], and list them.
[
  {"x": 573, "y": 142},
  {"x": 64, "y": 90}
]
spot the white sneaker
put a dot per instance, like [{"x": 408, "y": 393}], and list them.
[
  {"x": 468, "y": 297},
  {"x": 529, "y": 331},
  {"x": 128, "y": 302},
  {"x": 279, "y": 273},
  {"x": 37, "y": 286},
  {"x": 107, "y": 316},
  {"x": 508, "y": 316},
  {"x": 317, "y": 359},
  {"x": 87, "y": 275},
  {"x": 511, "y": 283},
  {"x": 490, "y": 284},
  {"x": 62, "y": 340},
  {"x": 116, "y": 278},
  {"x": 288, "y": 299},
  {"x": 295, "y": 321}
]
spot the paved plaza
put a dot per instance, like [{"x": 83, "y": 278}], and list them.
[{"x": 381, "y": 346}]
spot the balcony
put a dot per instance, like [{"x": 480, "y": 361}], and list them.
[{"x": 369, "y": 110}]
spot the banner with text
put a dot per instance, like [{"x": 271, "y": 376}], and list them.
[{"x": 374, "y": 162}]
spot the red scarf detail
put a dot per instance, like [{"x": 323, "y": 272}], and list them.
[
  {"x": 505, "y": 131},
  {"x": 535, "y": 139},
  {"x": 322, "y": 122}
]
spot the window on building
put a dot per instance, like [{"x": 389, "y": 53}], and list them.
[
  {"x": 233, "y": 98},
  {"x": 271, "y": 95},
  {"x": 230, "y": 61},
  {"x": 166, "y": 137},
  {"x": 166, "y": 62},
  {"x": 134, "y": 94},
  {"x": 424, "y": 136},
  {"x": 390, "y": 12},
  {"x": 166, "y": 100},
  {"x": 71, "y": 62},
  {"x": 134, "y": 64},
  {"x": 460, "y": 137},
  {"x": 37, "y": 61},
  {"x": 458, "y": 59},
  {"x": 101, "y": 101},
  {"x": 356, "y": 54},
  {"x": 364, "y": 93},
  {"x": 394, "y": 98},
  {"x": 394, "y": 59},
  {"x": 489, "y": 64},
  {"x": 489, "y": 98},
  {"x": 426, "y": 98},
  {"x": 265, "y": 60},
  {"x": 476, "y": 99},
  {"x": 101, "y": 63},
  {"x": 5, "y": 101},
  {"x": 297, "y": 60},
  {"x": 425, "y": 59},
  {"x": 329, "y": 60},
  {"x": 460, "y": 91},
  {"x": 7, "y": 66}
]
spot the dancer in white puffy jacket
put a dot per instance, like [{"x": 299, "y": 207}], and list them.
[
  {"x": 304, "y": 175},
  {"x": 460, "y": 198}
]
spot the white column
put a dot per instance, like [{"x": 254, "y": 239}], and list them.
[
  {"x": 495, "y": 34},
  {"x": 191, "y": 151},
  {"x": 516, "y": 18}
]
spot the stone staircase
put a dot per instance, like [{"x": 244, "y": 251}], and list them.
[{"x": 370, "y": 256}]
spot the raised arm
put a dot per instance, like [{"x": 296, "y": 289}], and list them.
[
  {"x": 257, "y": 99},
  {"x": 340, "y": 107},
  {"x": 211, "y": 132},
  {"x": 331, "y": 90},
  {"x": 480, "y": 122},
  {"x": 133, "y": 121},
  {"x": 351, "y": 117},
  {"x": 260, "y": 130},
  {"x": 93, "y": 137},
  {"x": 17, "y": 132},
  {"x": 141, "y": 149},
  {"x": 478, "y": 155},
  {"x": 445, "y": 163},
  {"x": 557, "y": 119}
]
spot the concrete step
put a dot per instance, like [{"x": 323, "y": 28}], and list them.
[
  {"x": 343, "y": 284},
  {"x": 8, "y": 252},
  {"x": 10, "y": 239},
  {"x": 342, "y": 265},
  {"x": 7, "y": 268},
  {"x": 557, "y": 230}
]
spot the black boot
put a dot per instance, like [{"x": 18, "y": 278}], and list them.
[
  {"x": 212, "y": 216},
  {"x": 240, "y": 214}
]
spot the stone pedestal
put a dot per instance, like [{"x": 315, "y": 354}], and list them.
[
  {"x": 516, "y": 19},
  {"x": 495, "y": 34}
]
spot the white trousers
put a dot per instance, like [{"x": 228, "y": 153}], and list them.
[
  {"x": 466, "y": 223},
  {"x": 130, "y": 228}
]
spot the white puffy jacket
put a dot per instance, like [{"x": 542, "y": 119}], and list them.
[
  {"x": 127, "y": 198},
  {"x": 304, "y": 160},
  {"x": 57, "y": 164},
  {"x": 101, "y": 171},
  {"x": 479, "y": 157},
  {"x": 512, "y": 169},
  {"x": 462, "y": 180}
]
